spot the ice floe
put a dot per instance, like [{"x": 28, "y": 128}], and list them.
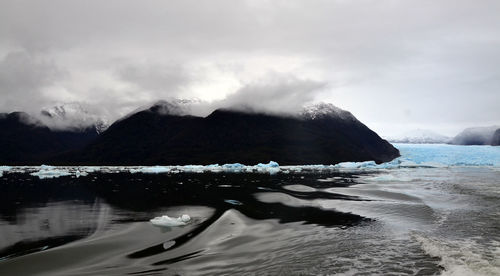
[{"x": 166, "y": 221}]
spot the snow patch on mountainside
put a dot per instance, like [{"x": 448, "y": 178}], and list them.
[{"x": 323, "y": 110}]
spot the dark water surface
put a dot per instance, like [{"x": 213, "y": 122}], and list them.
[{"x": 404, "y": 221}]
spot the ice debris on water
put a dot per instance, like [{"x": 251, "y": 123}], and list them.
[
  {"x": 50, "y": 172},
  {"x": 166, "y": 221},
  {"x": 412, "y": 156},
  {"x": 154, "y": 169},
  {"x": 45, "y": 171}
]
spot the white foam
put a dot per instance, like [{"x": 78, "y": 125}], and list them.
[
  {"x": 166, "y": 221},
  {"x": 462, "y": 257},
  {"x": 388, "y": 178}
]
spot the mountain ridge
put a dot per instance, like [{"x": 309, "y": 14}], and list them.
[
  {"x": 228, "y": 136},
  {"x": 163, "y": 135}
]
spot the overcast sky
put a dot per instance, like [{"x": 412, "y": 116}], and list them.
[{"x": 396, "y": 65}]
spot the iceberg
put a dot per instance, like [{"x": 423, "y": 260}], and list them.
[
  {"x": 271, "y": 164},
  {"x": 166, "y": 221},
  {"x": 235, "y": 167}
]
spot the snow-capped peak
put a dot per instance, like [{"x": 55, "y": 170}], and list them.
[
  {"x": 322, "y": 110},
  {"x": 172, "y": 107},
  {"x": 76, "y": 116}
]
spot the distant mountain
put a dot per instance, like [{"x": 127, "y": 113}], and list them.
[
  {"x": 72, "y": 116},
  {"x": 475, "y": 136},
  {"x": 495, "y": 141},
  {"x": 24, "y": 140},
  {"x": 163, "y": 134},
  {"x": 420, "y": 136}
]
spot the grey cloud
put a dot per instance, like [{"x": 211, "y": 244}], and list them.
[
  {"x": 167, "y": 80},
  {"x": 275, "y": 93},
  {"x": 22, "y": 77},
  {"x": 438, "y": 59}
]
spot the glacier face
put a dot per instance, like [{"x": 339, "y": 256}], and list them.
[{"x": 419, "y": 136}]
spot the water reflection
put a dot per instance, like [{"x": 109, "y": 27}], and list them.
[{"x": 40, "y": 214}]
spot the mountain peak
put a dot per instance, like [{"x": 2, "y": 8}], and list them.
[
  {"x": 176, "y": 107},
  {"x": 325, "y": 110},
  {"x": 475, "y": 136}
]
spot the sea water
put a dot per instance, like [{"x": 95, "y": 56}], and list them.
[{"x": 433, "y": 211}]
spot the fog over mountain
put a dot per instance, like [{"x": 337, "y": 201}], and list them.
[
  {"x": 477, "y": 136},
  {"x": 396, "y": 65}
]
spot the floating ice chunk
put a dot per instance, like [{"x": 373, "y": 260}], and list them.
[
  {"x": 235, "y": 167},
  {"x": 356, "y": 165},
  {"x": 271, "y": 164},
  {"x": 233, "y": 202},
  {"x": 271, "y": 167},
  {"x": 4, "y": 169},
  {"x": 79, "y": 173},
  {"x": 193, "y": 168},
  {"x": 166, "y": 221},
  {"x": 153, "y": 169},
  {"x": 50, "y": 172}
]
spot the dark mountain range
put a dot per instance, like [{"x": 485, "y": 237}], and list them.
[
  {"x": 476, "y": 136},
  {"x": 24, "y": 140},
  {"x": 162, "y": 135}
]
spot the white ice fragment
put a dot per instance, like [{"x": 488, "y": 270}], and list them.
[
  {"x": 235, "y": 167},
  {"x": 193, "y": 168},
  {"x": 79, "y": 173},
  {"x": 356, "y": 165},
  {"x": 166, "y": 221},
  {"x": 185, "y": 218},
  {"x": 153, "y": 170},
  {"x": 50, "y": 172},
  {"x": 4, "y": 169},
  {"x": 271, "y": 167},
  {"x": 271, "y": 164}
]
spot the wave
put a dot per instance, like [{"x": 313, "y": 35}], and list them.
[{"x": 462, "y": 257}]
